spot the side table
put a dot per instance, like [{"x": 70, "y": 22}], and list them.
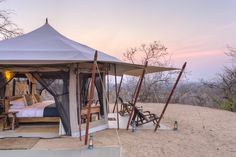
[
  {"x": 12, "y": 120},
  {"x": 3, "y": 117}
]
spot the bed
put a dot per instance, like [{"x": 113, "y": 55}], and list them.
[{"x": 44, "y": 111}]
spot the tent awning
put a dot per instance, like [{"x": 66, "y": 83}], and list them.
[{"x": 136, "y": 69}]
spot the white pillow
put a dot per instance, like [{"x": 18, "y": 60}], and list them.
[{"x": 18, "y": 103}]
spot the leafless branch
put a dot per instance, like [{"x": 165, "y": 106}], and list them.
[{"x": 8, "y": 29}]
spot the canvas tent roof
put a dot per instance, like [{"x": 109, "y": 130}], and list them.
[{"x": 47, "y": 46}]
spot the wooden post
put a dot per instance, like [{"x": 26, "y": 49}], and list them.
[
  {"x": 14, "y": 87},
  {"x": 117, "y": 115},
  {"x": 91, "y": 95},
  {"x": 78, "y": 101},
  {"x": 118, "y": 93},
  {"x": 134, "y": 100},
  {"x": 7, "y": 91},
  {"x": 33, "y": 85},
  {"x": 170, "y": 95},
  {"x": 6, "y": 104}
]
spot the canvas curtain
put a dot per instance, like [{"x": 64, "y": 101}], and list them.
[
  {"x": 57, "y": 84},
  {"x": 99, "y": 87},
  {"x": 84, "y": 90},
  {"x": 40, "y": 88},
  {"x": 2, "y": 85}
]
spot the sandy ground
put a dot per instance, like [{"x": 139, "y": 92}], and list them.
[{"x": 203, "y": 132}]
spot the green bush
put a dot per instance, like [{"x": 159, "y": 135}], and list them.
[{"x": 227, "y": 104}]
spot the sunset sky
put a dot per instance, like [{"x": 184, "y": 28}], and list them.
[{"x": 196, "y": 31}]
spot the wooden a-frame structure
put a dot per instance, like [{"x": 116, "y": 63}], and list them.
[{"x": 136, "y": 94}]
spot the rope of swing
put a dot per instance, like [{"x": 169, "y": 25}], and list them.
[{"x": 104, "y": 89}]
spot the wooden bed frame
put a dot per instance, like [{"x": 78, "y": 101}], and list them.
[
  {"x": 94, "y": 110},
  {"x": 6, "y": 107},
  {"x": 38, "y": 119}
]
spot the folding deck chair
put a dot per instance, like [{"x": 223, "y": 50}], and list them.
[
  {"x": 126, "y": 107},
  {"x": 144, "y": 117},
  {"x": 140, "y": 117}
]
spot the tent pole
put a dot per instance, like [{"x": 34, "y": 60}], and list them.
[
  {"x": 135, "y": 98},
  {"x": 78, "y": 101},
  {"x": 135, "y": 91},
  {"x": 108, "y": 90},
  {"x": 91, "y": 95},
  {"x": 105, "y": 101},
  {"x": 117, "y": 115},
  {"x": 170, "y": 95},
  {"x": 118, "y": 93},
  {"x": 107, "y": 85}
]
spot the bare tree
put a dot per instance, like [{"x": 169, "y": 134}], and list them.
[
  {"x": 156, "y": 54},
  {"x": 226, "y": 84},
  {"x": 8, "y": 29},
  {"x": 231, "y": 53}
]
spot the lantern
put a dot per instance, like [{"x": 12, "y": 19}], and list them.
[
  {"x": 133, "y": 124},
  {"x": 175, "y": 126},
  {"x": 8, "y": 75},
  {"x": 90, "y": 146}
]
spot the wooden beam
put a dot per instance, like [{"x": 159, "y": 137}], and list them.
[
  {"x": 118, "y": 93},
  {"x": 7, "y": 90},
  {"x": 33, "y": 80},
  {"x": 87, "y": 67},
  {"x": 33, "y": 69},
  {"x": 38, "y": 119},
  {"x": 14, "y": 87},
  {"x": 91, "y": 95},
  {"x": 170, "y": 95},
  {"x": 135, "y": 98}
]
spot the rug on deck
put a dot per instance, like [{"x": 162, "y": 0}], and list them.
[
  {"x": 17, "y": 143},
  {"x": 38, "y": 129}
]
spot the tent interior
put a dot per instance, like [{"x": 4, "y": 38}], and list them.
[{"x": 42, "y": 99}]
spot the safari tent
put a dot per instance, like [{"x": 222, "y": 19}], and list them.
[{"x": 65, "y": 69}]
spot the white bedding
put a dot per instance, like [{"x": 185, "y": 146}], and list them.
[
  {"x": 35, "y": 110},
  {"x": 18, "y": 103}
]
